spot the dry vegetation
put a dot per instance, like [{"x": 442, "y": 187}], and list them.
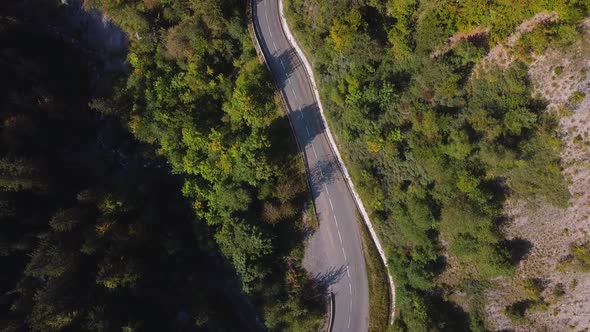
[
  {"x": 502, "y": 54},
  {"x": 560, "y": 77}
]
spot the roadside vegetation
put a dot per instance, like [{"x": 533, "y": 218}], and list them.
[
  {"x": 379, "y": 292},
  {"x": 178, "y": 206},
  {"x": 435, "y": 141}
]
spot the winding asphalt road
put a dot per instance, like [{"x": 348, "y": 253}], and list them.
[{"x": 334, "y": 252}]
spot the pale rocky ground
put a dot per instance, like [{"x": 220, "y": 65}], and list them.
[
  {"x": 551, "y": 230},
  {"x": 502, "y": 55}
]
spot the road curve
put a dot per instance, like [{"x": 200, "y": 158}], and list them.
[{"x": 334, "y": 252}]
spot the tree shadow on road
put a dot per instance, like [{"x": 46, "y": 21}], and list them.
[
  {"x": 330, "y": 277},
  {"x": 323, "y": 172},
  {"x": 287, "y": 62}
]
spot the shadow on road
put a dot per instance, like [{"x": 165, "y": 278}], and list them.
[
  {"x": 307, "y": 124},
  {"x": 323, "y": 172},
  {"x": 285, "y": 62},
  {"x": 330, "y": 277},
  {"x": 306, "y": 117}
]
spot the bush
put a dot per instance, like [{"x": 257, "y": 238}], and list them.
[
  {"x": 581, "y": 255},
  {"x": 533, "y": 288},
  {"x": 576, "y": 98},
  {"x": 559, "y": 290},
  {"x": 516, "y": 311}
]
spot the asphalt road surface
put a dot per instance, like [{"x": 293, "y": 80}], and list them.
[{"x": 334, "y": 253}]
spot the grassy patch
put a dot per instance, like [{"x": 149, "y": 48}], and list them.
[
  {"x": 311, "y": 218},
  {"x": 379, "y": 299}
]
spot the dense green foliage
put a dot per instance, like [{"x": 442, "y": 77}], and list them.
[
  {"x": 94, "y": 233},
  {"x": 198, "y": 92},
  {"x": 434, "y": 148}
]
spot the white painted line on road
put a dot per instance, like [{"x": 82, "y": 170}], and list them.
[
  {"x": 349, "y": 311},
  {"x": 315, "y": 154},
  {"x": 350, "y": 288},
  {"x": 322, "y": 175},
  {"x": 308, "y": 134},
  {"x": 332, "y": 206},
  {"x": 288, "y": 82},
  {"x": 268, "y": 26},
  {"x": 344, "y": 253},
  {"x": 294, "y": 94},
  {"x": 275, "y": 45},
  {"x": 282, "y": 64},
  {"x": 325, "y": 186},
  {"x": 348, "y": 272}
]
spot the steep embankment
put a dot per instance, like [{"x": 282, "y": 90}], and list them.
[{"x": 554, "y": 239}]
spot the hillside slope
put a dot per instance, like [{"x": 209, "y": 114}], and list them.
[{"x": 434, "y": 108}]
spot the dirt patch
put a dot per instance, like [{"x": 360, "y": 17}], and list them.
[
  {"x": 562, "y": 77},
  {"x": 502, "y": 54},
  {"x": 458, "y": 38}
]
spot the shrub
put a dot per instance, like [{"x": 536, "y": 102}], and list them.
[
  {"x": 559, "y": 290},
  {"x": 516, "y": 311},
  {"x": 576, "y": 98},
  {"x": 533, "y": 288},
  {"x": 558, "y": 70},
  {"x": 581, "y": 255}
]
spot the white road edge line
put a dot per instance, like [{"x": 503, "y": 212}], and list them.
[
  {"x": 350, "y": 288},
  {"x": 316, "y": 157},
  {"x": 344, "y": 253},
  {"x": 275, "y": 45},
  {"x": 350, "y": 309},
  {"x": 332, "y": 206},
  {"x": 308, "y": 134},
  {"x": 267, "y": 25}
]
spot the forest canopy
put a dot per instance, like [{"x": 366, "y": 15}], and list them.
[
  {"x": 198, "y": 93},
  {"x": 89, "y": 218}
]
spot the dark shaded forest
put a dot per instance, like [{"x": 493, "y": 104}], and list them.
[
  {"x": 160, "y": 204},
  {"x": 435, "y": 148},
  {"x": 95, "y": 234}
]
